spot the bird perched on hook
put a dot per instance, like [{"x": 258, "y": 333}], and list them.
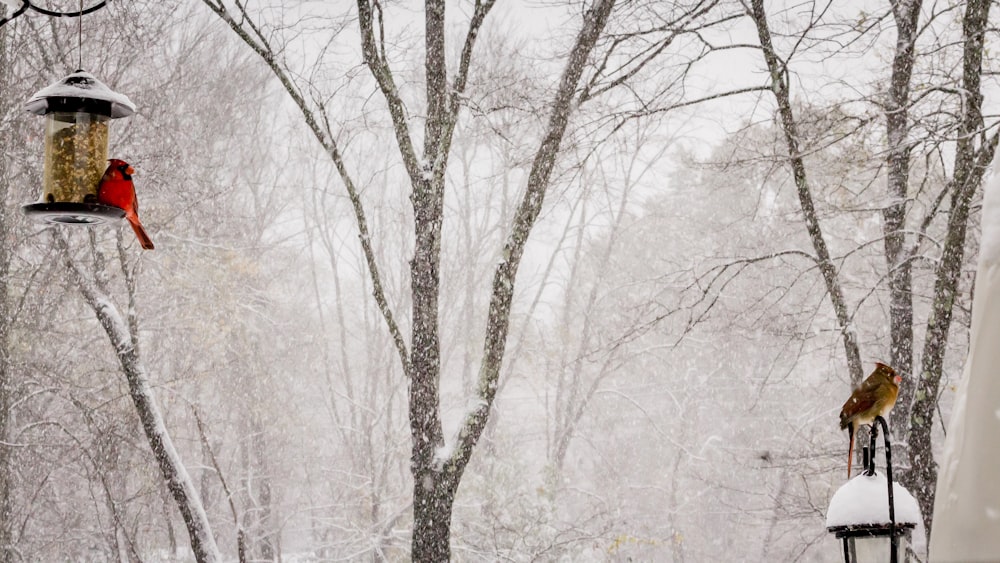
[
  {"x": 116, "y": 189},
  {"x": 874, "y": 397}
]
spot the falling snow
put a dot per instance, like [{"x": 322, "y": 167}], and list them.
[{"x": 603, "y": 257}]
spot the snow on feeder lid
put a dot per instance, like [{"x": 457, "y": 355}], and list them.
[
  {"x": 859, "y": 516},
  {"x": 77, "y": 110},
  {"x": 80, "y": 91}
]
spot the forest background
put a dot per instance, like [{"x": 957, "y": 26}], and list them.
[{"x": 734, "y": 210}]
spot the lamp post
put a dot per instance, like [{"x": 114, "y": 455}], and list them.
[
  {"x": 77, "y": 110},
  {"x": 871, "y": 515}
]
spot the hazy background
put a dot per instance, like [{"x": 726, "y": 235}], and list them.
[{"x": 674, "y": 368}]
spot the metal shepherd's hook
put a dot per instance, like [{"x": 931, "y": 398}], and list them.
[{"x": 870, "y": 470}]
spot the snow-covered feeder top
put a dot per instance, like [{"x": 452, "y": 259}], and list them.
[
  {"x": 864, "y": 500},
  {"x": 80, "y": 91}
]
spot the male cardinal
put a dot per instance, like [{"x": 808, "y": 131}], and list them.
[
  {"x": 116, "y": 190},
  {"x": 875, "y": 397}
]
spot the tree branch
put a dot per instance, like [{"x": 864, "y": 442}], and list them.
[
  {"x": 174, "y": 473},
  {"x": 383, "y": 77},
  {"x": 241, "y": 542},
  {"x": 331, "y": 148},
  {"x": 498, "y": 320},
  {"x": 779, "y": 86}
]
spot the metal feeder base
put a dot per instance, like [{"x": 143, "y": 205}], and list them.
[{"x": 73, "y": 213}]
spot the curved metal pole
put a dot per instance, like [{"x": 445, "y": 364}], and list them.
[
  {"x": 893, "y": 539},
  {"x": 872, "y": 439},
  {"x": 55, "y": 14},
  {"x": 26, "y": 4},
  {"x": 24, "y": 7}
]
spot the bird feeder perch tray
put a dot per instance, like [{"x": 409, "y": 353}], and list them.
[
  {"x": 71, "y": 213},
  {"x": 870, "y": 530}
]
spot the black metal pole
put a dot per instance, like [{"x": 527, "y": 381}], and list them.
[
  {"x": 25, "y": 4},
  {"x": 873, "y": 438},
  {"x": 893, "y": 540}
]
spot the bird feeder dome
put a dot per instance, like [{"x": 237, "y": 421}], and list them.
[
  {"x": 76, "y": 110},
  {"x": 80, "y": 92}
]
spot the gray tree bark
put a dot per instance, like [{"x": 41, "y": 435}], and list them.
[
  {"x": 897, "y": 251},
  {"x": 123, "y": 336},
  {"x": 973, "y": 154},
  {"x": 779, "y": 85}
]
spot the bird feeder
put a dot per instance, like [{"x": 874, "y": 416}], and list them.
[
  {"x": 871, "y": 515},
  {"x": 77, "y": 110}
]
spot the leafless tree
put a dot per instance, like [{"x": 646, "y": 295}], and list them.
[
  {"x": 123, "y": 332},
  {"x": 780, "y": 86},
  {"x": 974, "y": 148},
  {"x": 974, "y": 151},
  {"x": 437, "y": 470},
  {"x": 898, "y": 150}
]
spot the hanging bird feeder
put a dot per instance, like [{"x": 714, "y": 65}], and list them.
[{"x": 77, "y": 110}]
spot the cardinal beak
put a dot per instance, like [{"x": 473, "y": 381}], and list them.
[{"x": 130, "y": 170}]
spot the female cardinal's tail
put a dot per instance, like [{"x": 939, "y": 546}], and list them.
[
  {"x": 140, "y": 233},
  {"x": 850, "y": 450}
]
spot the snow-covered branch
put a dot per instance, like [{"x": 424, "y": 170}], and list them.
[{"x": 174, "y": 473}]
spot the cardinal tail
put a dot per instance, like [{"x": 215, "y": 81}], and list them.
[
  {"x": 140, "y": 234},
  {"x": 850, "y": 450}
]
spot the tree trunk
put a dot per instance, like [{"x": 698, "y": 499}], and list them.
[
  {"x": 7, "y": 552},
  {"x": 260, "y": 487},
  {"x": 436, "y": 477},
  {"x": 897, "y": 253},
  {"x": 779, "y": 85},
  {"x": 432, "y": 505},
  {"x": 974, "y": 152},
  {"x": 175, "y": 475}
]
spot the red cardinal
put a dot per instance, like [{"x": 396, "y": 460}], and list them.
[{"x": 116, "y": 189}]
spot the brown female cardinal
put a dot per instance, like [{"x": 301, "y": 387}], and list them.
[
  {"x": 875, "y": 397},
  {"x": 116, "y": 189}
]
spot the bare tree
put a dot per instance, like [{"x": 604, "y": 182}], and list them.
[
  {"x": 437, "y": 471},
  {"x": 780, "y": 86},
  {"x": 89, "y": 483},
  {"x": 905, "y": 237},
  {"x": 123, "y": 332},
  {"x": 361, "y": 386},
  {"x": 974, "y": 151},
  {"x": 898, "y": 150}
]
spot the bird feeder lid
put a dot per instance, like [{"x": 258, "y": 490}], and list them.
[{"x": 80, "y": 91}]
